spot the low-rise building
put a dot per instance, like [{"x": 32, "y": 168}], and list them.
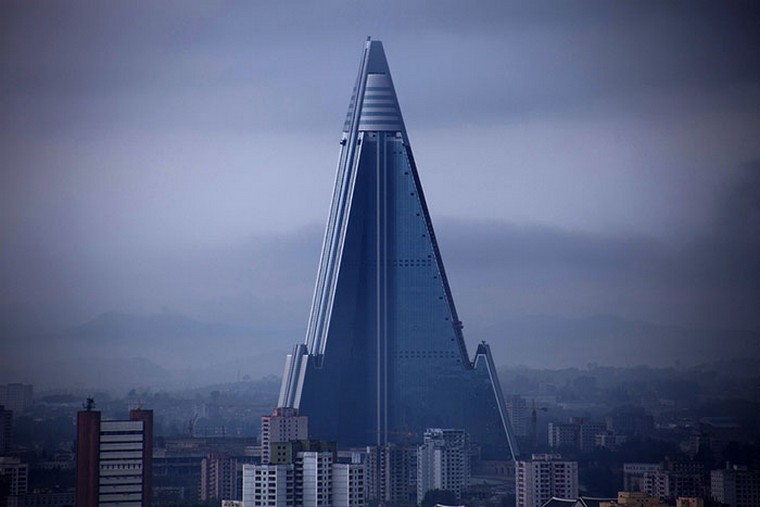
[{"x": 634, "y": 499}]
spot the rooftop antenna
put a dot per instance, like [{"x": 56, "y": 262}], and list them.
[{"x": 88, "y": 404}]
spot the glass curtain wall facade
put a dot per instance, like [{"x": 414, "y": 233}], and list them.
[{"x": 384, "y": 356}]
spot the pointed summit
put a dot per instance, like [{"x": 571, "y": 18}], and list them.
[
  {"x": 374, "y": 93},
  {"x": 384, "y": 356}
]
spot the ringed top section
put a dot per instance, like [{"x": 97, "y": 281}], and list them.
[{"x": 374, "y": 93}]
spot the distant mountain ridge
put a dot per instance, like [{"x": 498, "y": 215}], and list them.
[
  {"x": 118, "y": 325},
  {"x": 557, "y": 342},
  {"x": 117, "y": 349}
]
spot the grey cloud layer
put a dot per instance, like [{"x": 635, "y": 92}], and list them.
[{"x": 164, "y": 153}]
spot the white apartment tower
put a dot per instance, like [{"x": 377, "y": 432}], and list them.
[
  {"x": 519, "y": 415},
  {"x": 443, "y": 461},
  {"x": 349, "y": 485},
  {"x": 315, "y": 474},
  {"x": 269, "y": 485},
  {"x": 543, "y": 477},
  {"x": 304, "y": 478}
]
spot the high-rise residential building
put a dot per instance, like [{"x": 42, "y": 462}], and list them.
[
  {"x": 218, "y": 477},
  {"x": 283, "y": 425},
  {"x": 349, "y": 484},
  {"x": 443, "y": 462},
  {"x": 610, "y": 440},
  {"x": 269, "y": 485},
  {"x": 736, "y": 486},
  {"x": 17, "y": 474},
  {"x": 579, "y": 434},
  {"x": 636, "y": 476},
  {"x": 519, "y": 415},
  {"x": 304, "y": 474},
  {"x": 588, "y": 433},
  {"x": 16, "y": 397},
  {"x": 6, "y": 430},
  {"x": 392, "y": 474},
  {"x": 384, "y": 353},
  {"x": 114, "y": 459},
  {"x": 314, "y": 472},
  {"x": 563, "y": 435},
  {"x": 545, "y": 476},
  {"x": 677, "y": 478}
]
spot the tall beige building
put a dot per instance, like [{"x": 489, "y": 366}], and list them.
[{"x": 283, "y": 425}]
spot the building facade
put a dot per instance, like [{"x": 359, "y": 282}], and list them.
[
  {"x": 736, "y": 486},
  {"x": 304, "y": 474},
  {"x": 443, "y": 462},
  {"x": 269, "y": 485},
  {"x": 384, "y": 353},
  {"x": 563, "y": 435},
  {"x": 543, "y": 477},
  {"x": 218, "y": 477},
  {"x": 349, "y": 484},
  {"x": 114, "y": 460},
  {"x": 634, "y": 499},
  {"x": 578, "y": 434},
  {"x": 392, "y": 474},
  {"x": 283, "y": 425},
  {"x": 519, "y": 415},
  {"x": 16, "y": 474}
]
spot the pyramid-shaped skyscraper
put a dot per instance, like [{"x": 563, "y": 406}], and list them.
[{"x": 384, "y": 356}]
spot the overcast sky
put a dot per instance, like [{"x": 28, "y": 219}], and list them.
[{"x": 578, "y": 157}]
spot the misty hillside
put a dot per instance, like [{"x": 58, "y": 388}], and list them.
[
  {"x": 117, "y": 350},
  {"x": 557, "y": 342},
  {"x": 163, "y": 326}
]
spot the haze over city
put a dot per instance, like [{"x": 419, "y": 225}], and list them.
[{"x": 592, "y": 171}]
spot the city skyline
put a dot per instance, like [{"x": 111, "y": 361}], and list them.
[{"x": 588, "y": 159}]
